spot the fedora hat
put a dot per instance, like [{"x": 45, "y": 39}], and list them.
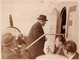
[
  {"x": 7, "y": 39},
  {"x": 42, "y": 17}
]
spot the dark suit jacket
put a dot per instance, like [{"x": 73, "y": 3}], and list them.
[
  {"x": 35, "y": 32},
  {"x": 76, "y": 56}
]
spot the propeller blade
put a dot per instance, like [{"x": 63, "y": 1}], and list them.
[{"x": 11, "y": 21}]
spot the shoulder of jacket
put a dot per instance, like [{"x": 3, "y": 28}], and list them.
[{"x": 37, "y": 24}]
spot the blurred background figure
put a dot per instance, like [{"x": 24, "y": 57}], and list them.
[
  {"x": 10, "y": 48},
  {"x": 70, "y": 49},
  {"x": 59, "y": 44},
  {"x": 9, "y": 43},
  {"x": 20, "y": 40}
]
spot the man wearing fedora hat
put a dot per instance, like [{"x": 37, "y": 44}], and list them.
[
  {"x": 8, "y": 42},
  {"x": 10, "y": 49},
  {"x": 35, "y": 32}
]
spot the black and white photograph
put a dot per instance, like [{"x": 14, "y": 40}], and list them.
[{"x": 40, "y": 29}]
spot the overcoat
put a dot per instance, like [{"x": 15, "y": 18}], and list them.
[
  {"x": 7, "y": 53},
  {"x": 35, "y": 32}
]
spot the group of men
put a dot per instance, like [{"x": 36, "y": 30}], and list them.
[{"x": 8, "y": 43}]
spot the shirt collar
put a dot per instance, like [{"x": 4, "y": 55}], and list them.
[{"x": 72, "y": 56}]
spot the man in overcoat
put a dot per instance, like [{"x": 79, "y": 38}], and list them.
[
  {"x": 8, "y": 50},
  {"x": 35, "y": 32},
  {"x": 8, "y": 42}
]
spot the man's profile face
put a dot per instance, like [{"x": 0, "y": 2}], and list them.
[{"x": 43, "y": 23}]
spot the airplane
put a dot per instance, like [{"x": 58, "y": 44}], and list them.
[{"x": 64, "y": 19}]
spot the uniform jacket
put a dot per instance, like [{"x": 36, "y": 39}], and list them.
[{"x": 35, "y": 32}]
